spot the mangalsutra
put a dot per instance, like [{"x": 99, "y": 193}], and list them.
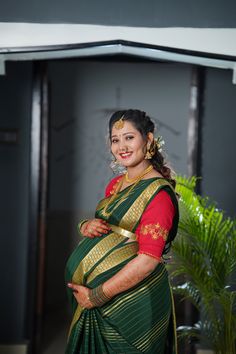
[{"x": 106, "y": 213}]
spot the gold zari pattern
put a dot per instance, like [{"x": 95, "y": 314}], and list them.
[
  {"x": 115, "y": 258},
  {"x": 96, "y": 260},
  {"x": 155, "y": 230},
  {"x": 92, "y": 258},
  {"x": 133, "y": 215}
]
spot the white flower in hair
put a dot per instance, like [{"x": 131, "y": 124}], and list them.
[{"x": 159, "y": 143}]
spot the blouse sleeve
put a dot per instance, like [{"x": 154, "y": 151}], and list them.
[
  {"x": 155, "y": 224},
  {"x": 110, "y": 188}
]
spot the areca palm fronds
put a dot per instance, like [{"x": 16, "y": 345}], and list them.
[{"x": 204, "y": 255}]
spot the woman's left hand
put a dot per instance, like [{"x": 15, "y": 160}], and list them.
[{"x": 81, "y": 293}]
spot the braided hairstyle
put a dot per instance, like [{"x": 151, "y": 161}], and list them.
[{"x": 144, "y": 125}]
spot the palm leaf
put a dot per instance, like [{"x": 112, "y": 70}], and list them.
[{"x": 204, "y": 253}]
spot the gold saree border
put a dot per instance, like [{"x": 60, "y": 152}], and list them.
[
  {"x": 128, "y": 222},
  {"x": 106, "y": 200},
  {"x": 76, "y": 316},
  {"x": 114, "y": 258},
  {"x": 96, "y": 253},
  {"x": 133, "y": 215},
  {"x": 93, "y": 256}
]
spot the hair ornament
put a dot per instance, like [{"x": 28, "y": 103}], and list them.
[
  {"x": 159, "y": 143},
  {"x": 119, "y": 124}
]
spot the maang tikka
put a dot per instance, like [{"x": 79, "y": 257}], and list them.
[
  {"x": 115, "y": 165},
  {"x": 119, "y": 124}
]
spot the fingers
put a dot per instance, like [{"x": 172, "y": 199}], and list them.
[
  {"x": 104, "y": 227},
  {"x": 73, "y": 287},
  {"x": 99, "y": 223},
  {"x": 81, "y": 295},
  {"x": 96, "y": 227}
]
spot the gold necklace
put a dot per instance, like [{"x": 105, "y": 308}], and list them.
[
  {"x": 106, "y": 213},
  {"x": 133, "y": 180}
]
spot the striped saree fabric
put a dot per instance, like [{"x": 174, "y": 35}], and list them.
[{"x": 139, "y": 320}]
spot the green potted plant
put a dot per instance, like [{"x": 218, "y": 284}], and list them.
[{"x": 203, "y": 269}]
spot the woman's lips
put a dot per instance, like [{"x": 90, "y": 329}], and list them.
[{"x": 125, "y": 155}]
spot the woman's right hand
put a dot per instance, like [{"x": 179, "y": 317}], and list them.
[{"x": 94, "y": 227}]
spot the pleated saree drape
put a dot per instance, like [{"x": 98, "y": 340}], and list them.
[{"x": 140, "y": 320}]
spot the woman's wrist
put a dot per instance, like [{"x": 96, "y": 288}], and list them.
[
  {"x": 98, "y": 297},
  {"x": 82, "y": 225}
]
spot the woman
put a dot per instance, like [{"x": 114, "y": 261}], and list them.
[{"x": 116, "y": 278}]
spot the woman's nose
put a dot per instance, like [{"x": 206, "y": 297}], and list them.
[{"x": 122, "y": 147}]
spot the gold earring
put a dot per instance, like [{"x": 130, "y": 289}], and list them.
[
  {"x": 150, "y": 151},
  {"x": 117, "y": 167}
]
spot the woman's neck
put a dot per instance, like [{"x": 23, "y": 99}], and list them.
[{"x": 134, "y": 171}]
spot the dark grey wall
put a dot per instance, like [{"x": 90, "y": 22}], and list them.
[
  {"x": 219, "y": 144},
  {"x": 15, "y": 95},
  {"x": 152, "y": 13}
]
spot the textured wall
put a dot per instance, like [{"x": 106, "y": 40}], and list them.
[
  {"x": 83, "y": 97},
  {"x": 219, "y": 145}
]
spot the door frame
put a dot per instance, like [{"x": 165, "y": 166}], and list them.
[
  {"x": 40, "y": 152},
  {"x": 38, "y": 192}
]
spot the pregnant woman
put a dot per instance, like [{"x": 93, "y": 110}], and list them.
[{"x": 116, "y": 277}]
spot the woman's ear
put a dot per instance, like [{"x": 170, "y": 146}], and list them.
[{"x": 150, "y": 137}]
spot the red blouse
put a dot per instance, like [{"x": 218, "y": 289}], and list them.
[
  {"x": 155, "y": 222},
  {"x": 112, "y": 185}
]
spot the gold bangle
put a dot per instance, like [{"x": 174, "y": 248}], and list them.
[
  {"x": 80, "y": 224},
  {"x": 98, "y": 297}
]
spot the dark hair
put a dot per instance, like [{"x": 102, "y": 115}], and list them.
[{"x": 144, "y": 125}]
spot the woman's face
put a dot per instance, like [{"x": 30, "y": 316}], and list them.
[{"x": 128, "y": 145}]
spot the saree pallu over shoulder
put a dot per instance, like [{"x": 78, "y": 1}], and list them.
[
  {"x": 138, "y": 320},
  {"x": 130, "y": 211}
]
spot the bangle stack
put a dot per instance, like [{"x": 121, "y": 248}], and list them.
[
  {"x": 98, "y": 297},
  {"x": 80, "y": 224}
]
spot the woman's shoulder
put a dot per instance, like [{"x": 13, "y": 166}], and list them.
[
  {"x": 112, "y": 185},
  {"x": 162, "y": 198}
]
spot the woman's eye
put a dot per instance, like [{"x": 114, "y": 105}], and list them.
[
  {"x": 129, "y": 137},
  {"x": 114, "y": 141}
]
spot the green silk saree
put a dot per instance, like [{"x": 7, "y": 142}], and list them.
[{"x": 139, "y": 320}]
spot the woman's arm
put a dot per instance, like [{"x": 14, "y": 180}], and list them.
[
  {"x": 129, "y": 276},
  {"x": 152, "y": 233},
  {"x": 97, "y": 227},
  {"x": 133, "y": 273}
]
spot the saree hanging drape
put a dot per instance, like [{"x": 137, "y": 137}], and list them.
[{"x": 139, "y": 320}]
